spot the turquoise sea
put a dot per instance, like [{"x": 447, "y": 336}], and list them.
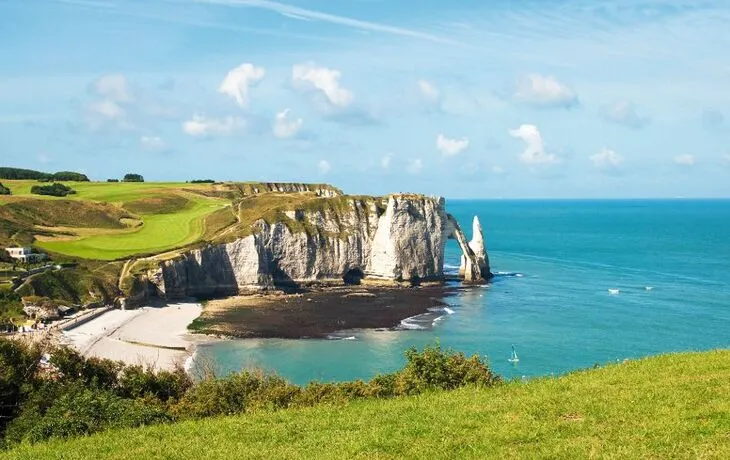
[{"x": 556, "y": 261}]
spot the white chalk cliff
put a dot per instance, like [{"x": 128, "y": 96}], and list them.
[{"x": 396, "y": 239}]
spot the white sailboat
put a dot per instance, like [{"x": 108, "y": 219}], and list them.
[{"x": 514, "y": 358}]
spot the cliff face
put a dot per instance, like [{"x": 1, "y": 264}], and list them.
[{"x": 400, "y": 238}]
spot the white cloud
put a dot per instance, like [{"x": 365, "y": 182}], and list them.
[
  {"x": 200, "y": 125},
  {"x": 284, "y": 126},
  {"x": 326, "y": 81},
  {"x": 239, "y": 80},
  {"x": 152, "y": 143},
  {"x": 607, "y": 160},
  {"x": 429, "y": 91},
  {"x": 624, "y": 113},
  {"x": 534, "y": 153},
  {"x": 107, "y": 109},
  {"x": 324, "y": 166},
  {"x": 415, "y": 166},
  {"x": 544, "y": 91},
  {"x": 385, "y": 161},
  {"x": 451, "y": 147},
  {"x": 113, "y": 87},
  {"x": 685, "y": 160}
]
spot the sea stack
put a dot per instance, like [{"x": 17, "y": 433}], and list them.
[{"x": 480, "y": 252}]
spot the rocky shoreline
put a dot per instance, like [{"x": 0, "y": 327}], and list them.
[{"x": 316, "y": 313}]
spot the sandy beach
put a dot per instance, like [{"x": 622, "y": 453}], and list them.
[{"x": 153, "y": 336}]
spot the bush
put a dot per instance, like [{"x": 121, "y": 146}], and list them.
[
  {"x": 4, "y": 190},
  {"x": 18, "y": 369},
  {"x": 434, "y": 369},
  {"x": 10, "y": 307},
  {"x": 112, "y": 180},
  {"x": 78, "y": 411},
  {"x": 133, "y": 178},
  {"x": 237, "y": 394},
  {"x": 202, "y": 181},
  {"x": 69, "y": 176},
  {"x": 137, "y": 382},
  {"x": 55, "y": 189}
]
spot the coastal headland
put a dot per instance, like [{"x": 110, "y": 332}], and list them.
[{"x": 285, "y": 260}]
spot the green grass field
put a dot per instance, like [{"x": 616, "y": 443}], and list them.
[
  {"x": 159, "y": 232},
  {"x": 674, "y": 406}
]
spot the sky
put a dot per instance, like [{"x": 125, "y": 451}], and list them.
[{"x": 463, "y": 99}]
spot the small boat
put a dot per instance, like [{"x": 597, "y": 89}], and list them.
[{"x": 514, "y": 358}]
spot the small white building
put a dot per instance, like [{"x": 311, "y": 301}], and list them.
[{"x": 25, "y": 254}]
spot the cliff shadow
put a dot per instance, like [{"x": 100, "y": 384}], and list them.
[{"x": 353, "y": 277}]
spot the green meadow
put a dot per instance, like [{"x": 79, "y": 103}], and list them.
[
  {"x": 672, "y": 406},
  {"x": 159, "y": 231}
]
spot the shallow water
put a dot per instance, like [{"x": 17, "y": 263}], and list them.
[{"x": 668, "y": 260}]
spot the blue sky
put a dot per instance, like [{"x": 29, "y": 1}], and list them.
[{"x": 575, "y": 98}]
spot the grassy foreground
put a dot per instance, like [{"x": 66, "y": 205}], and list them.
[{"x": 673, "y": 406}]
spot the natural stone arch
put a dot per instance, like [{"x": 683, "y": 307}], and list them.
[{"x": 474, "y": 261}]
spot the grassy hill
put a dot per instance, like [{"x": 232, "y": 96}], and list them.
[
  {"x": 673, "y": 406},
  {"x": 102, "y": 224}
]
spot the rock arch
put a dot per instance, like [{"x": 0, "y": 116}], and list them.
[{"x": 474, "y": 260}]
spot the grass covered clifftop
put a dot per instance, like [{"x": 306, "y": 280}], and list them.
[{"x": 672, "y": 406}]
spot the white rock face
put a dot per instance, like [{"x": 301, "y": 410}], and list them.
[
  {"x": 477, "y": 246},
  {"x": 403, "y": 243}
]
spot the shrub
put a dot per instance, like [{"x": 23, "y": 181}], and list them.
[
  {"x": 434, "y": 369},
  {"x": 69, "y": 176},
  {"x": 237, "y": 394},
  {"x": 137, "y": 382},
  {"x": 79, "y": 410},
  {"x": 10, "y": 307},
  {"x": 133, "y": 178},
  {"x": 202, "y": 181},
  {"x": 4, "y": 190},
  {"x": 112, "y": 180},
  {"x": 55, "y": 189},
  {"x": 18, "y": 368}
]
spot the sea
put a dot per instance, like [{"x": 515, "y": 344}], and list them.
[{"x": 578, "y": 283}]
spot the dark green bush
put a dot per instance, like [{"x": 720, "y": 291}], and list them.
[
  {"x": 434, "y": 369},
  {"x": 69, "y": 176},
  {"x": 4, "y": 190},
  {"x": 202, "y": 181},
  {"x": 80, "y": 410},
  {"x": 236, "y": 394},
  {"x": 112, "y": 180},
  {"x": 137, "y": 382},
  {"x": 55, "y": 189},
  {"x": 133, "y": 178},
  {"x": 18, "y": 375}
]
